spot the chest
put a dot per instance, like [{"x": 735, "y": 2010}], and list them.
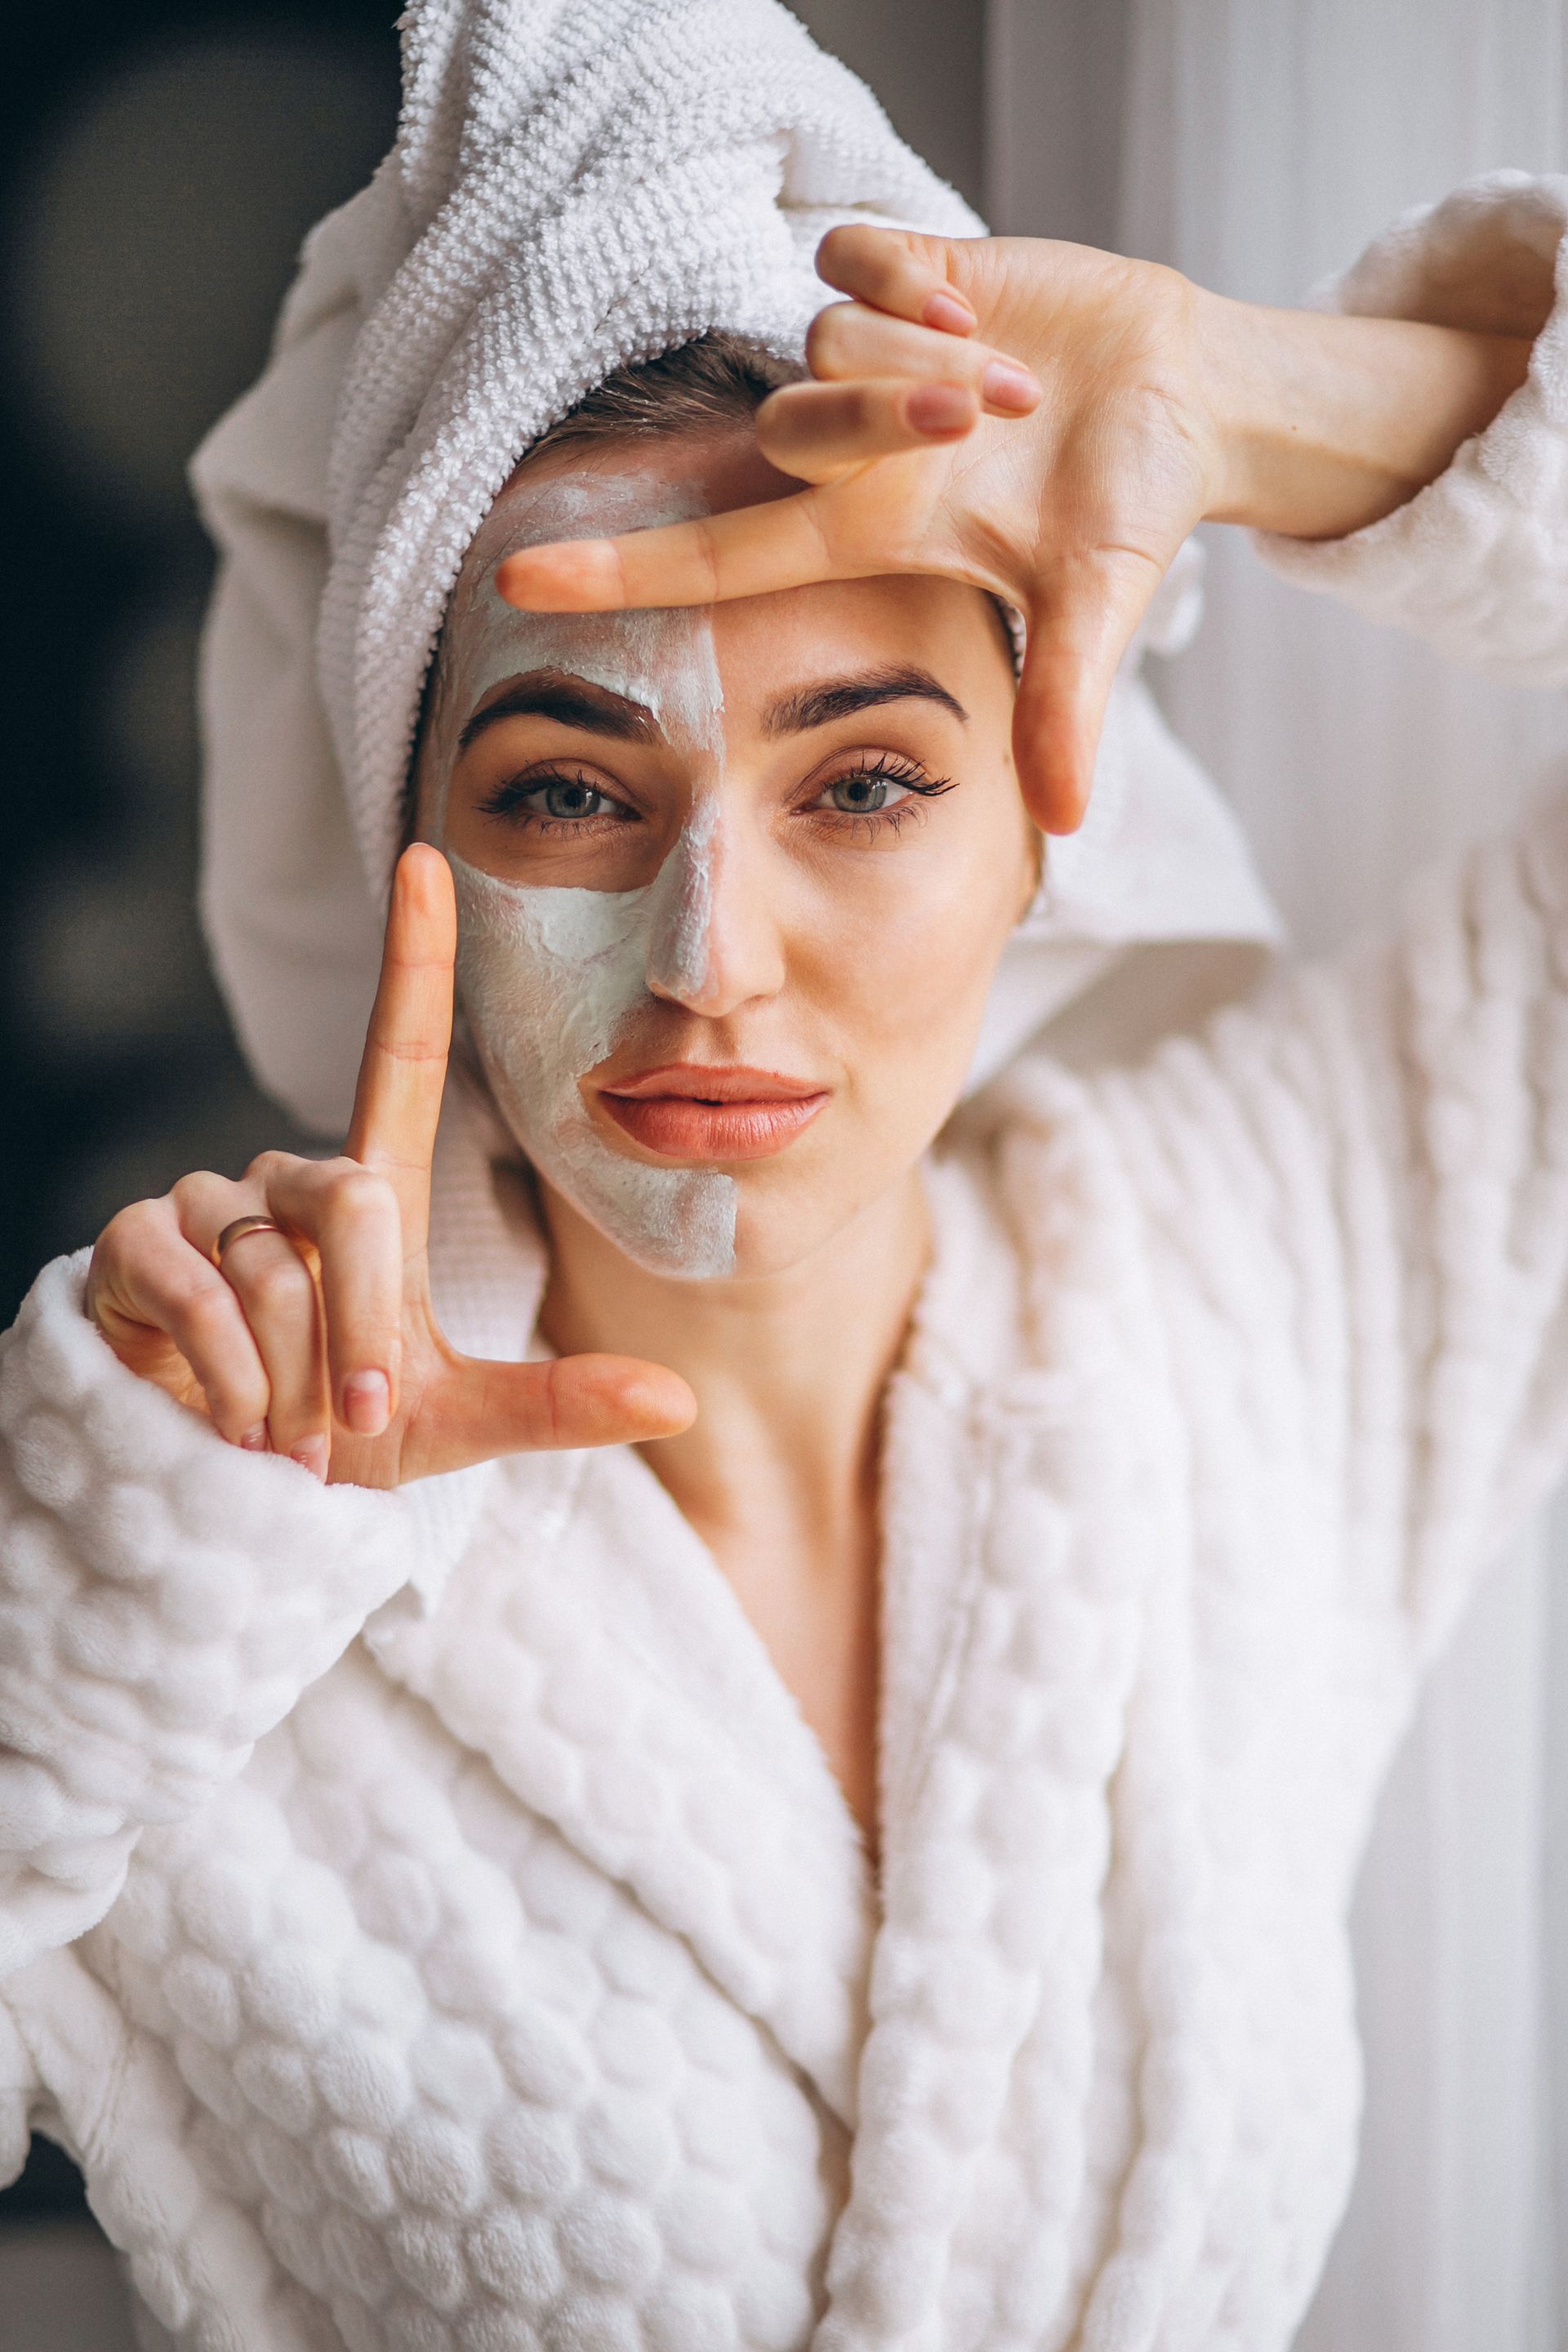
[
  {"x": 812, "y": 1595},
  {"x": 529, "y": 1983}
]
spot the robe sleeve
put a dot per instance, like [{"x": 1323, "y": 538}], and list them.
[
  {"x": 164, "y": 1600},
  {"x": 1383, "y": 1174},
  {"x": 1477, "y": 563},
  {"x": 1357, "y": 1185}
]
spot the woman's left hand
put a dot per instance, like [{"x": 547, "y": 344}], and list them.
[{"x": 1049, "y": 422}]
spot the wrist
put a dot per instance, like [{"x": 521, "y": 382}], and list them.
[{"x": 1324, "y": 424}]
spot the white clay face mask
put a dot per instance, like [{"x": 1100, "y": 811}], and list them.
[{"x": 549, "y": 979}]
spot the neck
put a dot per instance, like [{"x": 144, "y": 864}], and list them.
[{"x": 788, "y": 1368}]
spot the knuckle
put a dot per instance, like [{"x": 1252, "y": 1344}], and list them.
[
  {"x": 358, "y": 1196},
  {"x": 127, "y": 1233},
  {"x": 829, "y": 338},
  {"x": 861, "y": 406},
  {"x": 207, "y": 1311},
  {"x": 854, "y": 244},
  {"x": 790, "y": 419},
  {"x": 187, "y": 1194},
  {"x": 776, "y": 429},
  {"x": 549, "y": 1404},
  {"x": 707, "y": 554},
  {"x": 280, "y": 1287},
  {"x": 269, "y": 1167}
]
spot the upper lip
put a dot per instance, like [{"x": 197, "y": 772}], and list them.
[{"x": 713, "y": 1082}]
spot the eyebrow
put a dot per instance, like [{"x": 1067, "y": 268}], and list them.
[
  {"x": 571, "y": 701},
  {"x": 819, "y": 706}
]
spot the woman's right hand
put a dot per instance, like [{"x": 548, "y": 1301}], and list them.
[{"x": 320, "y": 1341}]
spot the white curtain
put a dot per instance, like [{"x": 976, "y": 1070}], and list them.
[{"x": 1257, "y": 145}]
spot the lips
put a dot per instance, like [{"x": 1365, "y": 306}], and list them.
[{"x": 693, "y": 1112}]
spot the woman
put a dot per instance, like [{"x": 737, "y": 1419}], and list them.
[{"x": 784, "y": 1761}]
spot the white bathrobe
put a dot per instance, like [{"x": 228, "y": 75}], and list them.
[{"x": 427, "y": 1918}]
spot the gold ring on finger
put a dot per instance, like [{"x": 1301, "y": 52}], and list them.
[{"x": 236, "y": 1232}]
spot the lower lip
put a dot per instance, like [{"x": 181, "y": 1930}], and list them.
[{"x": 679, "y": 1128}]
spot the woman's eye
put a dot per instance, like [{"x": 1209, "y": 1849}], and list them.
[
  {"x": 863, "y": 795},
  {"x": 562, "y": 798},
  {"x": 554, "y": 800}
]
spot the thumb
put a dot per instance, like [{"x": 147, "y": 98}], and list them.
[
  {"x": 491, "y": 1408},
  {"x": 1079, "y": 626}
]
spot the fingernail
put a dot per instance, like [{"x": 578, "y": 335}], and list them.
[
  {"x": 949, "y": 311},
  {"x": 1007, "y": 386},
  {"x": 367, "y": 1402},
  {"x": 312, "y": 1453},
  {"x": 255, "y": 1440},
  {"x": 940, "y": 408}
]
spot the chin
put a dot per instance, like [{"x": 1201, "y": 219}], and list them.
[{"x": 698, "y": 1223}]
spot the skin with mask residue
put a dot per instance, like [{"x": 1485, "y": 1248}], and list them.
[{"x": 549, "y": 977}]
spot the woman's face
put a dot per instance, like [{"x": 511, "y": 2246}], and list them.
[{"x": 731, "y": 885}]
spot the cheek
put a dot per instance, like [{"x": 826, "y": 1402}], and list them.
[{"x": 905, "y": 960}]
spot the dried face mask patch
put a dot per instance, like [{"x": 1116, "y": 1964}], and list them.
[{"x": 549, "y": 979}]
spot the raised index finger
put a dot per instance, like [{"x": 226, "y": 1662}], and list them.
[{"x": 398, "y": 1102}]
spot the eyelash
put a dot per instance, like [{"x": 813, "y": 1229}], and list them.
[
  {"x": 510, "y": 800},
  {"x": 885, "y": 767}
]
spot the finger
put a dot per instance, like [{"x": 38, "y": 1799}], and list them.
[
  {"x": 819, "y": 431},
  {"x": 402, "y": 1074},
  {"x": 483, "y": 1410},
  {"x": 276, "y": 1296},
  {"x": 277, "y": 1288},
  {"x": 353, "y": 1220},
  {"x": 1078, "y": 630},
  {"x": 900, "y": 271},
  {"x": 848, "y": 341},
  {"x": 276, "y": 1292},
  {"x": 749, "y": 551},
  {"x": 147, "y": 1274}
]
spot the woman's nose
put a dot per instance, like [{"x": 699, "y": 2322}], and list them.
[{"x": 712, "y": 943}]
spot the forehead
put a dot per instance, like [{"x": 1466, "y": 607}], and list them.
[
  {"x": 706, "y": 472},
  {"x": 573, "y": 492}
]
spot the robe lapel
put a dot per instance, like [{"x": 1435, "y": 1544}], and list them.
[
  {"x": 999, "y": 1830},
  {"x": 589, "y": 1649}
]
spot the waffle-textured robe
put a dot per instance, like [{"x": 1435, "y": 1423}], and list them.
[{"x": 427, "y": 1918}]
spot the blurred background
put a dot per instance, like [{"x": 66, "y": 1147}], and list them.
[{"x": 158, "y": 167}]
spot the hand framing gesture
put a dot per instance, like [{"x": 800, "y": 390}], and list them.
[
  {"x": 1049, "y": 422},
  {"x": 316, "y": 1336},
  {"x": 1022, "y": 416}
]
